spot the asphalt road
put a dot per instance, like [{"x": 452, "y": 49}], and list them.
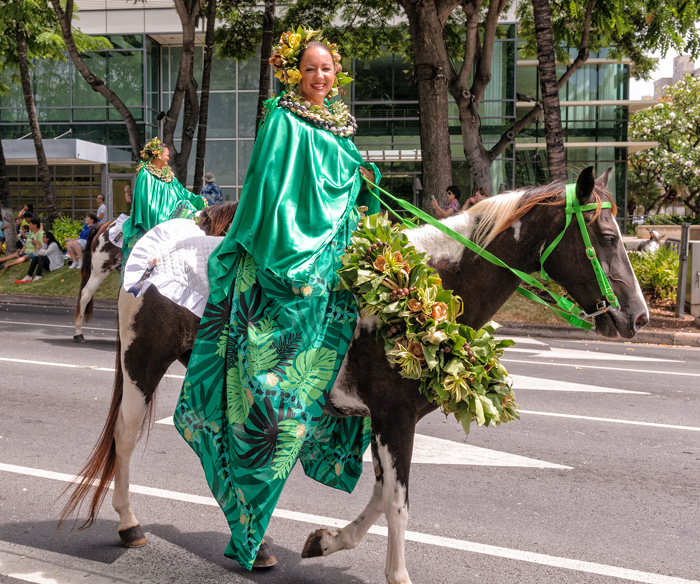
[{"x": 598, "y": 482}]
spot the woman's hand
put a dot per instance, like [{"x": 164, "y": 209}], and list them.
[{"x": 367, "y": 173}]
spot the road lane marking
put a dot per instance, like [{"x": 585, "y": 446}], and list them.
[
  {"x": 577, "y": 354},
  {"x": 613, "y": 420},
  {"x": 522, "y": 382},
  {"x": 418, "y": 537},
  {"x": 432, "y": 450},
  {"x": 646, "y": 371},
  {"x": 69, "y": 326},
  {"x": 74, "y": 366}
]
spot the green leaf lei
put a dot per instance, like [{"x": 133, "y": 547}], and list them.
[
  {"x": 166, "y": 174},
  {"x": 458, "y": 368}
]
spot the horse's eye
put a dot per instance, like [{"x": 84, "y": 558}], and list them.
[{"x": 610, "y": 239}]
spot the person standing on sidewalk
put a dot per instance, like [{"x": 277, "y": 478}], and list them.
[{"x": 211, "y": 191}]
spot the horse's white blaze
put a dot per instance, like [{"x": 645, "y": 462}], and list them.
[
  {"x": 396, "y": 512},
  {"x": 637, "y": 287},
  {"x": 439, "y": 245},
  {"x": 131, "y": 414}
]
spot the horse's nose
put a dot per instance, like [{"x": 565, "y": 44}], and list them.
[{"x": 642, "y": 321}]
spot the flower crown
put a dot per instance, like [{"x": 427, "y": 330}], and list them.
[
  {"x": 285, "y": 58},
  {"x": 152, "y": 149}
]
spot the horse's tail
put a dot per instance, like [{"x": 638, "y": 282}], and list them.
[
  {"x": 86, "y": 272},
  {"x": 100, "y": 467}
]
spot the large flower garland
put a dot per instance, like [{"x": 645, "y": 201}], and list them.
[{"x": 458, "y": 368}]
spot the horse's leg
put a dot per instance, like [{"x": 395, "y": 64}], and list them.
[
  {"x": 324, "y": 542},
  {"x": 128, "y": 426},
  {"x": 131, "y": 415},
  {"x": 394, "y": 446},
  {"x": 96, "y": 278}
]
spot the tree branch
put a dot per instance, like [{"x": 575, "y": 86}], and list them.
[
  {"x": 583, "y": 52},
  {"x": 513, "y": 131}
]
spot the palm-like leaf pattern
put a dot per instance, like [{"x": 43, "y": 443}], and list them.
[
  {"x": 260, "y": 433},
  {"x": 214, "y": 320}
]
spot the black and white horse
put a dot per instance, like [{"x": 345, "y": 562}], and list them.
[
  {"x": 516, "y": 227},
  {"x": 101, "y": 257}
]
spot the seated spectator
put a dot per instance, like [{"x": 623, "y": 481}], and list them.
[
  {"x": 33, "y": 244},
  {"x": 49, "y": 256},
  {"x": 3, "y": 225},
  {"x": 452, "y": 206},
  {"x": 479, "y": 196},
  {"x": 75, "y": 247},
  {"x": 101, "y": 208}
]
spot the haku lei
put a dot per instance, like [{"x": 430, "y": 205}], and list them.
[{"x": 458, "y": 368}]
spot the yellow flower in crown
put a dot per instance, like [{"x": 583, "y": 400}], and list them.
[
  {"x": 294, "y": 76},
  {"x": 285, "y": 51},
  {"x": 294, "y": 40}
]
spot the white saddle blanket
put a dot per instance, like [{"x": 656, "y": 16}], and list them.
[
  {"x": 181, "y": 250},
  {"x": 115, "y": 231}
]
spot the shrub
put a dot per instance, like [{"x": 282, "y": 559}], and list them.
[
  {"x": 65, "y": 228},
  {"x": 657, "y": 273}
]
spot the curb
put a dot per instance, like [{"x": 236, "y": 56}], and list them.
[{"x": 507, "y": 328}]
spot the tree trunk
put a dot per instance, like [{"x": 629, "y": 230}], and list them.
[
  {"x": 49, "y": 195},
  {"x": 95, "y": 82},
  {"x": 268, "y": 33},
  {"x": 200, "y": 155},
  {"x": 554, "y": 134},
  {"x": 6, "y": 212},
  {"x": 432, "y": 95},
  {"x": 178, "y": 161}
]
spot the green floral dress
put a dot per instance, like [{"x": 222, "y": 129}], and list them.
[{"x": 275, "y": 331}]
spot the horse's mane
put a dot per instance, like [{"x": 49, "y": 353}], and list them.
[
  {"x": 496, "y": 214},
  {"x": 217, "y": 219}
]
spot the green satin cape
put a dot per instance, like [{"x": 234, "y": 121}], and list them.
[
  {"x": 275, "y": 331},
  {"x": 154, "y": 202}
]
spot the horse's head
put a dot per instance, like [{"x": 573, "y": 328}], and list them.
[
  {"x": 217, "y": 219},
  {"x": 569, "y": 265}
]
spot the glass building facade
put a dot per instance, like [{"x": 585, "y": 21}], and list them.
[{"x": 383, "y": 99}]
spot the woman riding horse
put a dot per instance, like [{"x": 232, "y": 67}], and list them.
[
  {"x": 157, "y": 196},
  {"x": 275, "y": 329}
]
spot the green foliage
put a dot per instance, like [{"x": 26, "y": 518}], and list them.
[
  {"x": 65, "y": 228},
  {"x": 673, "y": 123},
  {"x": 457, "y": 367},
  {"x": 627, "y": 29},
  {"x": 657, "y": 273}
]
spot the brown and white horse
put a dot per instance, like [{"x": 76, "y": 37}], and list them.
[
  {"x": 101, "y": 257},
  {"x": 516, "y": 227}
]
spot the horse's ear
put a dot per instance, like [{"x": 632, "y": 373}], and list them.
[
  {"x": 602, "y": 181},
  {"x": 585, "y": 185}
]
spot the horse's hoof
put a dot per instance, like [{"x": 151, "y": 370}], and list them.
[
  {"x": 79, "y": 338},
  {"x": 265, "y": 558},
  {"x": 312, "y": 547},
  {"x": 132, "y": 537}
]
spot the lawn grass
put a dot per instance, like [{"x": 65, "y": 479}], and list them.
[{"x": 61, "y": 282}]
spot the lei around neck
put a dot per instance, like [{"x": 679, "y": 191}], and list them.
[
  {"x": 334, "y": 118},
  {"x": 166, "y": 174}
]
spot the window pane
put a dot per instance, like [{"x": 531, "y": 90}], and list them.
[
  {"x": 247, "y": 110},
  {"x": 223, "y": 74},
  {"x": 249, "y": 73},
  {"x": 221, "y": 161},
  {"x": 222, "y": 115},
  {"x": 245, "y": 149}
]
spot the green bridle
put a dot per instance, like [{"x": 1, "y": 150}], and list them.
[{"x": 564, "y": 307}]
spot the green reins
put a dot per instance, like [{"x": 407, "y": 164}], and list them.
[{"x": 564, "y": 307}]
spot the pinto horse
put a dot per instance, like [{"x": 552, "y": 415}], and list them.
[
  {"x": 516, "y": 227},
  {"x": 101, "y": 257}
]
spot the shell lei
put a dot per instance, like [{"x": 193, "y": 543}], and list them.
[
  {"x": 458, "y": 368},
  {"x": 166, "y": 174}
]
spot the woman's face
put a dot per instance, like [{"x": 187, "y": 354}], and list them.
[
  {"x": 45, "y": 239},
  {"x": 317, "y": 70},
  {"x": 450, "y": 196},
  {"x": 88, "y": 220},
  {"x": 165, "y": 155}
]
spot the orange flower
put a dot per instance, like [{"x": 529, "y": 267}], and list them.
[
  {"x": 379, "y": 264},
  {"x": 407, "y": 267},
  {"x": 414, "y": 305},
  {"x": 439, "y": 311},
  {"x": 398, "y": 258}
]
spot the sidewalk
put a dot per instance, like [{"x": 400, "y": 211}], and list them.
[{"x": 518, "y": 329}]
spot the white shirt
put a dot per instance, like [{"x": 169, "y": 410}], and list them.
[{"x": 102, "y": 212}]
